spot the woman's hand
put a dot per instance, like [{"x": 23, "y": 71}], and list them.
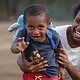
[
  {"x": 62, "y": 58},
  {"x": 61, "y": 74},
  {"x": 64, "y": 62},
  {"x": 26, "y": 66}
]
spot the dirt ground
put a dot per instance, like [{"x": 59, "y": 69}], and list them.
[
  {"x": 8, "y": 66},
  {"x": 9, "y": 69}
]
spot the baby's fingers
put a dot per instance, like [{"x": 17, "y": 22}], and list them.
[{"x": 20, "y": 40}]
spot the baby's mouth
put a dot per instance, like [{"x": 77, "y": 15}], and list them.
[{"x": 36, "y": 37}]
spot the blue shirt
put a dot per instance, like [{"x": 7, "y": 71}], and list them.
[{"x": 45, "y": 49}]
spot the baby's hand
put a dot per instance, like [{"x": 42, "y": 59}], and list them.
[
  {"x": 22, "y": 45},
  {"x": 35, "y": 55}
]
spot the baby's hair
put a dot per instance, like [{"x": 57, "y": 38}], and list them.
[
  {"x": 34, "y": 10},
  {"x": 76, "y": 10}
]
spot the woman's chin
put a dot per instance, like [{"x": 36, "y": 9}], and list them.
[{"x": 76, "y": 37}]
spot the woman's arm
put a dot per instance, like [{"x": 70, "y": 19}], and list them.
[
  {"x": 73, "y": 72},
  {"x": 63, "y": 60}
]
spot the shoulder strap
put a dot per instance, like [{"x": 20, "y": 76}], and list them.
[
  {"x": 27, "y": 37},
  {"x": 52, "y": 36}
]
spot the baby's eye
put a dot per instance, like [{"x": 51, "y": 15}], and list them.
[
  {"x": 30, "y": 27},
  {"x": 41, "y": 27}
]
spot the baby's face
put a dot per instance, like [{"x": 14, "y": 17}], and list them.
[{"x": 36, "y": 27}]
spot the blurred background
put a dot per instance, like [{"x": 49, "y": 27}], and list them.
[
  {"x": 60, "y": 12},
  {"x": 59, "y": 9}
]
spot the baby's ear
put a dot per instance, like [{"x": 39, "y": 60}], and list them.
[{"x": 49, "y": 22}]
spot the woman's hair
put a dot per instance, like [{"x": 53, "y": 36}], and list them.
[
  {"x": 34, "y": 10},
  {"x": 76, "y": 10}
]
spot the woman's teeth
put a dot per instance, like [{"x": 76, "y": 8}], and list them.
[{"x": 78, "y": 33}]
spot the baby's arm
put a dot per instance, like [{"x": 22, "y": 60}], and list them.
[
  {"x": 14, "y": 45},
  {"x": 20, "y": 46}
]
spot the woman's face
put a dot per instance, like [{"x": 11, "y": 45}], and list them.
[
  {"x": 75, "y": 29},
  {"x": 36, "y": 27}
]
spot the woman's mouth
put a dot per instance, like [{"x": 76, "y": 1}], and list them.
[{"x": 76, "y": 34}]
